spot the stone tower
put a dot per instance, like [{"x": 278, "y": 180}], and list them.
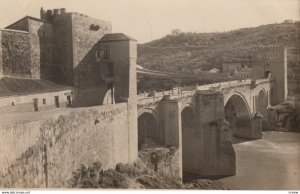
[
  {"x": 272, "y": 61},
  {"x": 117, "y": 57}
]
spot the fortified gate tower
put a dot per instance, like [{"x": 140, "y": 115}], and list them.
[{"x": 272, "y": 61}]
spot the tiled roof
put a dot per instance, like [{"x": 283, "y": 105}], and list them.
[
  {"x": 115, "y": 37},
  {"x": 18, "y": 86}
]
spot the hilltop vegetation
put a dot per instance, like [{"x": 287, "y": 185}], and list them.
[{"x": 208, "y": 50}]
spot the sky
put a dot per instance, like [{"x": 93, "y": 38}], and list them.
[{"x": 147, "y": 20}]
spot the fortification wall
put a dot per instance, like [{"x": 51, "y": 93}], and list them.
[
  {"x": 16, "y": 56},
  {"x": 86, "y": 32},
  {"x": 41, "y": 41},
  {"x": 1, "y": 66},
  {"x": 63, "y": 52},
  {"x": 52, "y": 148},
  {"x": 89, "y": 87}
]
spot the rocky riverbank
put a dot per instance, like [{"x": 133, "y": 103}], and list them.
[
  {"x": 286, "y": 116},
  {"x": 150, "y": 171}
]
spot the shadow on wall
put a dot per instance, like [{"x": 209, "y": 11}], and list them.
[
  {"x": 89, "y": 87},
  {"x": 58, "y": 63},
  {"x": 48, "y": 68}
]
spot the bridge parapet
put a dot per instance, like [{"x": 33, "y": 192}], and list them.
[
  {"x": 150, "y": 97},
  {"x": 260, "y": 81},
  {"x": 222, "y": 85}
]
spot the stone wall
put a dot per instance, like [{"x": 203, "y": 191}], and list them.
[
  {"x": 85, "y": 36},
  {"x": 272, "y": 60},
  {"x": 54, "y": 147},
  {"x": 63, "y": 52},
  {"x": 41, "y": 41},
  {"x": 1, "y": 65},
  {"x": 90, "y": 89},
  {"x": 216, "y": 156},
  {"x": 16, "y": 56}
]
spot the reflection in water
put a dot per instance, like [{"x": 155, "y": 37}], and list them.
[{"x": 269, "y": 163}]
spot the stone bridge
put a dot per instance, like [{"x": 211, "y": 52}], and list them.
[{"x": 200, "y": 121}]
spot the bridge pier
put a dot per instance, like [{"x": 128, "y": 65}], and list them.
[
  {"x": 171, "y": 126},
  {"x": 213, "y": 152}
]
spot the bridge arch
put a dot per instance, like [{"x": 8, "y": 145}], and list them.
[
  {"x": 148, "y": 110},
  {"x": 148, "y": 129},
  {"x": 262, "y": 102},
  {"x": 261, "y": 107},
  {"x": 188, "y": 122},
  {"x": 188, "y": 106},
  {"x": 237, "y": 113},
  {"x": 242, "y": 97}
]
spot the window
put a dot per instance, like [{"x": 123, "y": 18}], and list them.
[
  {"x": 44, "y": 100},
  {"x": 13, "y": 103},
  {"x": 106, "y": 52}
]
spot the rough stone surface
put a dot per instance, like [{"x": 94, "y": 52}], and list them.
[
  {"x": 16, "y": 55},
  {"x": 161, "y": 160},
  {"x": 54, "y": 147}
]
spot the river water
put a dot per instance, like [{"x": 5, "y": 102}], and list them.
[{"x": 272, "y": 162}]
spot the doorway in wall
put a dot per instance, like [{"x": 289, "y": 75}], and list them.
[
  {"x": 69, "y": 101},
  {"x": 56, "y": 101},
  {"x": 35, "y": 104}
]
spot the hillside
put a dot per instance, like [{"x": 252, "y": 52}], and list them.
[{"x": 208, "y": 50}]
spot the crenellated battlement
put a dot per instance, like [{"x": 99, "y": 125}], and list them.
[
  {"x": 272, "y": 52},
  {"x": 49, "y": 15},
  {"x": 268, "y": 48}
]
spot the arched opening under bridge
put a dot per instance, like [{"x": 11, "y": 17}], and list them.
[
  {"x": 148, "y": 131},
  {"x": 261, "y": 106},
  {"x": 237, "y": 113}
]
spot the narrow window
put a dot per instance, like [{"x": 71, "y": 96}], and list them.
[
  {"x": 106, "y": 52},
  {"x": 44, "y": 100}
]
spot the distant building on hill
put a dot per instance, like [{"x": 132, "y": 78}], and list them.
[
  {"x": 231, "y": 67},
  {"x": 176, "y": 32},
  {"x": 197, "y": 71},
  {"x": 243, "y": 73},
  {"x": 288, "y": 21},
  {"x": 214, "y": 70}
]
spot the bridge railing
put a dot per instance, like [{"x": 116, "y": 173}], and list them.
[
  {"x": 259, "y": 81},
  {"x": 148, "y": 97},
  {"x": 226, "y": 84}
]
